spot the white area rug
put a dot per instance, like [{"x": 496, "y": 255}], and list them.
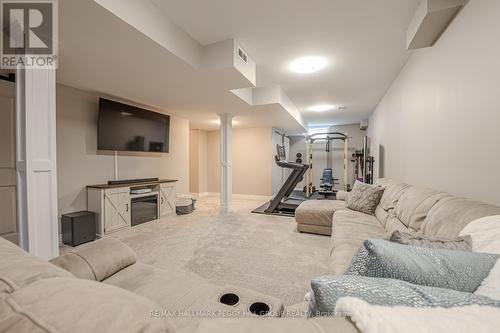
[{"x": 259, "y": 252}]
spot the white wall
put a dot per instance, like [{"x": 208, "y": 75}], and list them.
[
  {"x": 78, "y": 163},
  {"x": 439, "y": 122}
]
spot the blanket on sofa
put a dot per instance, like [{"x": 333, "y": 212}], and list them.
[{"x": 384, "y": 319}]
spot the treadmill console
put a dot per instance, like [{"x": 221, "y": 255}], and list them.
[{"x": 281, "y": 153}]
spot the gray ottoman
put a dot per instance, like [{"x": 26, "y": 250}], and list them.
[{"x": 315, "y": 216}]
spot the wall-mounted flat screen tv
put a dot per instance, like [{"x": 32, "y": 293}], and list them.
[{"x": 123, "y": 127}]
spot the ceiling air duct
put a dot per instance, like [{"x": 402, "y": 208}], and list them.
[{"x": 431, "y": 20}]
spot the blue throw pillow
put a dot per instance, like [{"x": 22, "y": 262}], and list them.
[
  {"x": 326, "y": 291},
  {"x": 458, "y": 270}
]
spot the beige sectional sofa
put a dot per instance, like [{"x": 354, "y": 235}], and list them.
[
  {"x": 402, "y": 207},
  {"x": 315, "y": 216},
  {"x": 100, "y": 287}
]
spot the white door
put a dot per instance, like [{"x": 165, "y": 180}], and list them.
[
  {"x": 8, "y": 202},
  {"x": 167, "y": 199},
  {"x": 116, "y": 209}
]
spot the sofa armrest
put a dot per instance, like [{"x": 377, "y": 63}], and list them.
[
  {"x": 342, "y": 195},
  {"x": 97, "y": 260},
  {"x": 75, "y": 265}
]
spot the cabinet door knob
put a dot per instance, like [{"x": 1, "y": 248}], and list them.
[
  {"x": 162, "y": 200},
  {"x": 126, "y": 208}
]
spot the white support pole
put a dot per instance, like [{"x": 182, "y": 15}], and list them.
[
  {"x": 36, "y": 162},
  {"x": 226, "y": 174}
]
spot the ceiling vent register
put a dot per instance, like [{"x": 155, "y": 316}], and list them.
[{"x": 243, "y": 56}]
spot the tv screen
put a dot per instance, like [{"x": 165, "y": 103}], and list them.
[{"x": 124, "y": 127}]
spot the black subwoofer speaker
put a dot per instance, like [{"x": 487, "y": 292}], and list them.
[{"x": 78, "y": 228}]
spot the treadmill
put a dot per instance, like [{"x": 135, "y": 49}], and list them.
[{"x": 282, "y": 203}]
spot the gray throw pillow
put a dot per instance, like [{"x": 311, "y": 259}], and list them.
[
  {"x": 364, "y": 198},
  {"x": 326, "y": 291},
  {"x": 458, "y": 270},
  {"x": 463, "y": 243}
]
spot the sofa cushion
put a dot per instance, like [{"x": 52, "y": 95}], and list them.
[
  {"x": 76, "y": 305},
  {"x": 364, "y": 198},
  {"x": 349, "y": 230},
  {"x": 451, "y": 269},
  {"x": 327, "y": 290},
  {"x": 14, "y": 320},
  {"x": 19, "y": 269},
  {"x": 463, "y": 243},
  {"x": 76, "y": 265},
  {"x": 179, "y": 293},
  {"x": 382, "y": 215},
  {"x": 451, "y": 214},
  {"x": 342, "y": 195},
  {"x": 103, "y": 258},
  {"x": 315, "y": 229},
  {"x": 170, "y": 289},
  {"x": 393, "y": 191},
  {"x": 394, "y": 224},
  {"x": 414, "y": 205},
  {"x": 318, "y": 212}
]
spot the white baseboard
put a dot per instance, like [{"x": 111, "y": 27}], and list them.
[
  {"x": 235, "y": 196},
  {"x": 205, "y": 194},
  {"x": 252, "y": 197}
]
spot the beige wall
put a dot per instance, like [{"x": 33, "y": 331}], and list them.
[
  {"x": 198, "y": 146},
  {"x": 213, "y": 162},
  {"x": 203, "y": 162},
  {"x": 252, "y": 167},
  {"x": 251, "y": 161},
  {"x": 194, "y": 161},
  {"x": 439, "y": 122},
  {"x": 78, "y": 163}
]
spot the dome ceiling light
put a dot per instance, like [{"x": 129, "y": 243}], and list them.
[{"x": 307, "y": 65}]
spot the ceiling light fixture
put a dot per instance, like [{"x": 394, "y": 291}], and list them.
[
  {"x": 322, "y": 107},
  {"x": 307, "y": 65}
]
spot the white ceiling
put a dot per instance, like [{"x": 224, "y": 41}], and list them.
[
  {"x": 101, "y": 53},
  {"x": 363, "y": 40}
]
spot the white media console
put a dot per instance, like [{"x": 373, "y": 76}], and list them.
[{"x": 122, "y": 206}]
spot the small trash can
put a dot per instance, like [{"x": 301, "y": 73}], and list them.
[{"x": 184, "y": 204}]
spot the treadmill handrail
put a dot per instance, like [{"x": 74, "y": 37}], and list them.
[{"x": 290, "y": 165}]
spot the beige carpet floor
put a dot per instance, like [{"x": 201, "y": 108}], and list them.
[{"x": 260, "y": 252}]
